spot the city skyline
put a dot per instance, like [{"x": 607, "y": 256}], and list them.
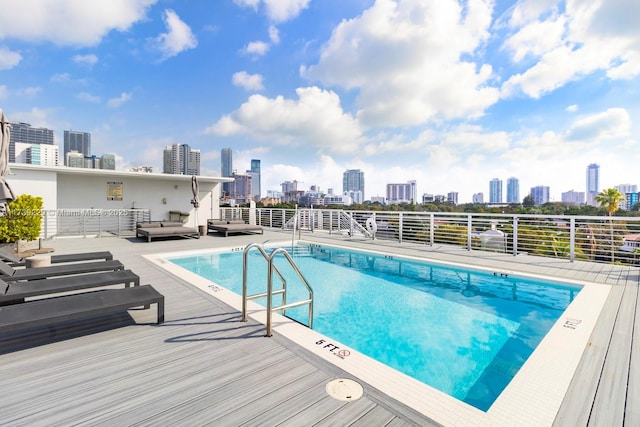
[{"x": 533, "y": 90}]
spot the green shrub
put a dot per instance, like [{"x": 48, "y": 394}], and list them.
[{"x": 23, "y": 220}]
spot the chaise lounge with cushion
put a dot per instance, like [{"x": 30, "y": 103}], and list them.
[
  {"x": 17, "y": 261},
  {"x": 16, "y": 292},
  {"x": 151, "y": 230},
  {"x": 49, "y": 311},
  {"x": 10, "y": 274},
  {"x": 232, "y": 226}
]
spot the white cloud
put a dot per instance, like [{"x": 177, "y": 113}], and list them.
[
  {"x": 248, "y": 81},
  {"x": 248, "y": 3},
  {"x": 69, "y": 22},
  {"x": 609, "y": 124},
  {"x": 277, "y": 10},
  {"x": 405, "y": 59},
  {"x": 37, "y": 117},
  {"x": 117, "y": 102},
  {"x": 596, "y": 35},
  {"x": 88, "y": 60},
  {"x": 274, "y": 34},
  {"x": 178, "y": 38},
  {"x": 527, "y": 11},
  {"x": 257, "y": 48},
  {"x": 29, "y": 92},
  {"x": 315, "y": 118},
  {"x": 87, "y": 97},
  {"x": 3, "y": 92},
  {"x": 8, "y": 58},
  {"x": 572, "y": 108},
  {"x": 68, "y": 80},
  {"x": 536, "y": 38}
]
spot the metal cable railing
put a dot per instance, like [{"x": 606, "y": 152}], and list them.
[{"x": 589, "y": 238}]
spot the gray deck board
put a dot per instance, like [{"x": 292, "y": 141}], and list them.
[
  {"x": 632, "y": 407},
  {"x": 613, "y": 382},
  {"x": 204, "y": 366}
]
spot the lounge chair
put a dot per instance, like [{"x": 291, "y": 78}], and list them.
[
  {"x": 10, "y": 274},
  {"x": 78, "y": 306},
  {"x": 16, "y": 261},
  {"x": 11, "y": 293},
  {"x": 153, "y": 229},
  {"x": 232, "y": 226}
]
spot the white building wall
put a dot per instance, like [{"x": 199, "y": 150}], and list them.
[{"x": 77, "y": 188}]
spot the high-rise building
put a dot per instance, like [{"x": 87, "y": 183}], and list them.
[
  {"x": 495, "y": 191},
  {"x": 181, "y": 159},
  {"x": 240, "y": 188},
  {"x": 478, "y": 198},
  {"x": 593, "y": 183},
  {"x": 254, "y": 173},
  {"x": 513, "y": 190},
  {"x": 74, "y": 159},
  {"x": 226, "y": 169},
  {"x": 452, "y": 197},
  {"x": 36, "y": 154},
  {"x": 626, "y": 190},
  {"x": 77, "y": 141},
  {"x": 573, "y": 197},
  {"x": 540, "y": 194},
  {"x": 43, "y": 154},
  {"x": 402, "y": 193},
  {"x": 108, "y": 161},
  {"x": 352, "y": 183},
  {"x": 24, "y": 133}
]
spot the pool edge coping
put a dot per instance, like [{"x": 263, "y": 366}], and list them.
[{"x": 514, "y": 405}]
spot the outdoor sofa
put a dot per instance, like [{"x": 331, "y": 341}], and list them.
[
  {"x": 153, "y": 229},
  {"x": 232, "y": 226}
]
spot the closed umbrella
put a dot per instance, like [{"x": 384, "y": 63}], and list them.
[
  {"x": 6, "y": 195},
  {"x": 195, "y": 188}
]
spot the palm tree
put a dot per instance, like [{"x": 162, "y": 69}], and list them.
[{"x": 610, "y": 199}]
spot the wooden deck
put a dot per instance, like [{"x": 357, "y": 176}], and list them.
[{"x": 204, "y": 366}]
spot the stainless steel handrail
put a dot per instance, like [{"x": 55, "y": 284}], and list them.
[
  {"x": 270, "y": 292},
  {"x": 245, "y": 261},
  {"x": 270, "y": 309}
]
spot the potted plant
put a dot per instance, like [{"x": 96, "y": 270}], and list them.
[{"x": 23, "y": 221}]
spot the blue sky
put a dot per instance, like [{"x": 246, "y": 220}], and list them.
[{"x": 448, "y": 93}]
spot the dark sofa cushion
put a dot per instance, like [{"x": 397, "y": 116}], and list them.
[
  {"x": 148, "y": 225},
  {"x": 171, "y": 224}
]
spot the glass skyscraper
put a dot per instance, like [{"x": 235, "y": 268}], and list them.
[
  {"x": 24, "y": 133},
  {"x": 593, "y": 183},
  {"x": 353, "y": 184},
  {"x": 76, "y": 141},
  {"x": 254, "y": 173},
  {"x": 181, "y": 159},
  {"x": 226, "y": 169},
  {"x": 513, "y": 190},
  {"x": 495, "y": 190}
]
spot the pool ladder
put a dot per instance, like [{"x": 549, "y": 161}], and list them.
[{"x": 270, "y": 291}]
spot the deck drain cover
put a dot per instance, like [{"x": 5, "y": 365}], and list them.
[{"x": 343, "y": 389}]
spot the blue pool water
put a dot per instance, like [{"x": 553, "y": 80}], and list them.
[{"x": 464, "y": 332}]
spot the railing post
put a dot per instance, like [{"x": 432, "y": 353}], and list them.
[
  {"x": 400, "y": 226},
  {"x": 46, "y": 225},
  {"x": 469, "y": 222},
  {"x": 572, "y": 239},
  {"x": 515, "y": 235},
  {"x": 432, "y": 223},
  {"x": 351, "y": 224},
  {"x": 330, "y": 222}
]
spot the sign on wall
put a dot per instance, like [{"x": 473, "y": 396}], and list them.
[{"x": 114, "y": 190}]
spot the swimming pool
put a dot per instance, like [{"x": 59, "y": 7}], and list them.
[{"x": 464, "y": 332}]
